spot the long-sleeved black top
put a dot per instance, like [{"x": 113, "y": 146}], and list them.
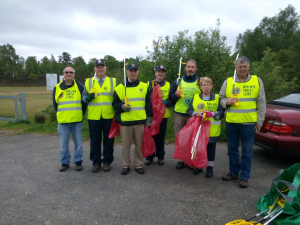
[{"x": 117, "y": 104}]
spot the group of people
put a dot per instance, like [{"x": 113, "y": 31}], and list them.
[{"x": 130, "y": 103}]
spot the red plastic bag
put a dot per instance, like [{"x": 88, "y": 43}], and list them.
[
  {"x": 114, "y": 128},
  {"x": 158, "y": 108},
  {"x": 185, "y": 140},
  {"x": 148, "y": 145}
]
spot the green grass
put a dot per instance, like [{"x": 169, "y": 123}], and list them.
[{"x": 38, "y": 99}]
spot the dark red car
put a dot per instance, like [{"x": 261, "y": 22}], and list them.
[{"x": 281, "y": 129}]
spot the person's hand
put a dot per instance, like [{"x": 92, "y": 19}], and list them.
[
  {"x": 149, "y": 121},
  {"x": 257, "y": 128},
  {"x": 90, "y": 96},
  {"x": 126, "y": 108},
  {"x": 165, "y": 102},
  {"x": 178, "y": 93},
  {"x": 199, "y": 114},
  {"x": 208, "y": 114},
  {"x": 231, "y": 101}
]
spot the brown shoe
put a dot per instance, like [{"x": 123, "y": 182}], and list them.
[
  {"x": 96, "y": 168},
  {"x": 125, "y": 171},
  {"x": 140, "y": 170},
  {"x": 230, "y": 177},
  {"x": 106, "y": 167},
  {"x": 243, "y": 183}
]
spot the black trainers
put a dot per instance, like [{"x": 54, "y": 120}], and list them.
[
  {"x": 140, "y": 170},
  {"x": 179, "y": 165},
  {"x": 197, "y": 171},
  {"x": 161, "y": 162},
  {"x": 230, "y": 177},
  {"x": 78, "y": 166},
  {"x": 64, "y": 167},
  {"x": 209, "y": 171},
  {"x": 243, "y": 183},
  {"x": 125, "y": 171},
  {"x": 148, "y": 162}
]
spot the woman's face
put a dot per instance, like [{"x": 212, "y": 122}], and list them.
[{"x": 206, "y": 87}]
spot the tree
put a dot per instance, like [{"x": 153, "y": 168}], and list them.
[
  {"x": 65, "y": 58},
  {"x": 8, "y": 60},
  {"x": 31, "y": 65},
  {"x": 80, "y": 67},
  {"x": 275, "y": 80},
  {"x": 276, "y": 33},
  {"x": 45, "y": 65}
]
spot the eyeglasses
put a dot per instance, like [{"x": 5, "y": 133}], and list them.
[{"x": 70, "y": 72}]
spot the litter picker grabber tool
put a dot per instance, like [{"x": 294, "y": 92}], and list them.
[
  {"x": 179, "y": 88},
  {"x": 126, "y": 99},
  {"x": 193, "y": 151},
  {"x": 93, "y": 89},
  {"x": 234, "y": 93}
]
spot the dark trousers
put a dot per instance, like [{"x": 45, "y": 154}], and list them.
[
  {"x": 211, "y": 151},
  {"x": 96, "y": 128},
  {"x": 159, "y": 140}
]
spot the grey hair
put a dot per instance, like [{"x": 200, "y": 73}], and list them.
[
  {"x": 242, "y": 59},
  {"x": 70, "y": 67},
  {"x": 191, "y": 60}
]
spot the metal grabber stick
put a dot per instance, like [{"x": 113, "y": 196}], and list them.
[
  {"x": 235, "y": 95},
  {"x": 179, "y": 88},
  {"x": 154, "y": 82},
  {"x": 193, "y": 151},
  {"x": 126, "y": 99}
]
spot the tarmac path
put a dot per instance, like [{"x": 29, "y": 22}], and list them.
[{"x": 33, "y": 191}]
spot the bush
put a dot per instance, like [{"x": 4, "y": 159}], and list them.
[
  {"x": 50, "y": 112},
  {"x": 32, "y": 76}
]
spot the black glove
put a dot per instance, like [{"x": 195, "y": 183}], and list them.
[{"x": 90, "y": 96}]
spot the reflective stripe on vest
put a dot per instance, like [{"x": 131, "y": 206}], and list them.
[
  {"x": 189, "y": 89},
  {"x": 212, "y": 106},
  {"x": 69, "y": 108},
  {"x": 101, "y": 105},
  {"x": 248, "y": 93},
  {"x": 137, "y": 98}
]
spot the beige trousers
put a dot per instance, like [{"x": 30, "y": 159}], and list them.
[
  {"x": 179, "y": 122},
  {"x": 135, "y": 133}
]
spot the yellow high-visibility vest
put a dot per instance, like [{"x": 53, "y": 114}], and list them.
[
  {"x": 101, "y": 105},
  {"x": 189, "y": 89},
  {"x": 248, "y": 93},
  {"x": 137, "y": 98},
  {"x": 69, "y": 108},
  {"x": 212, "y": 106}
]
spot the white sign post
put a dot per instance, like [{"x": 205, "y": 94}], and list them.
[
  {"x": 51, "y": 80},
  {"x": 61, "y": 78}
]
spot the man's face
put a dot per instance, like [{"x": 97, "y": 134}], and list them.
[
  {"x": 160, "y": 74},
  {"x": 69, "y": 74},
  {"x": 132, "y": 74},
  {"x": 100, "y": 70},
  {"x": 190, "y": 68},
  {"x": 242, "y": 69}
]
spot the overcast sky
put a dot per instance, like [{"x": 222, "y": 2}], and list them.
[{"x": 121, "y": 28}]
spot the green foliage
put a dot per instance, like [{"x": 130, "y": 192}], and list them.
[
  {"x": 9, "y": 60},
  {"x": 80, "y": 67},
  {"x": 65, "y": 58},
  {"x": 32, "y": 76},
  {"x": 32, "y": 65},
  {"x": 50, "y": 112},
  {"x": 275, "y": 80}
]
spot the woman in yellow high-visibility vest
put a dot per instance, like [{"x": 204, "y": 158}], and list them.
[{"x": 208, "y": 102}]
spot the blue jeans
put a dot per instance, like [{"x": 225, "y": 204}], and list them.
[
  {"x": 235, "y": 132},
  {"x": 63, "y": 131},
  {"x": 96, "y": 128}
]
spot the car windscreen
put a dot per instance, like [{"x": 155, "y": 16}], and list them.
[{"x": 291, "y": 100}]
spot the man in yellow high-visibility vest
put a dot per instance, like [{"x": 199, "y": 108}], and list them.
[
  {"x": 190, "y": 87},
  {"x": 245, "y": 114},
  {"x": 70, "y": 110},
  {"x": 133, "y": 117},
  {"x": 98, "y": 93}
]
